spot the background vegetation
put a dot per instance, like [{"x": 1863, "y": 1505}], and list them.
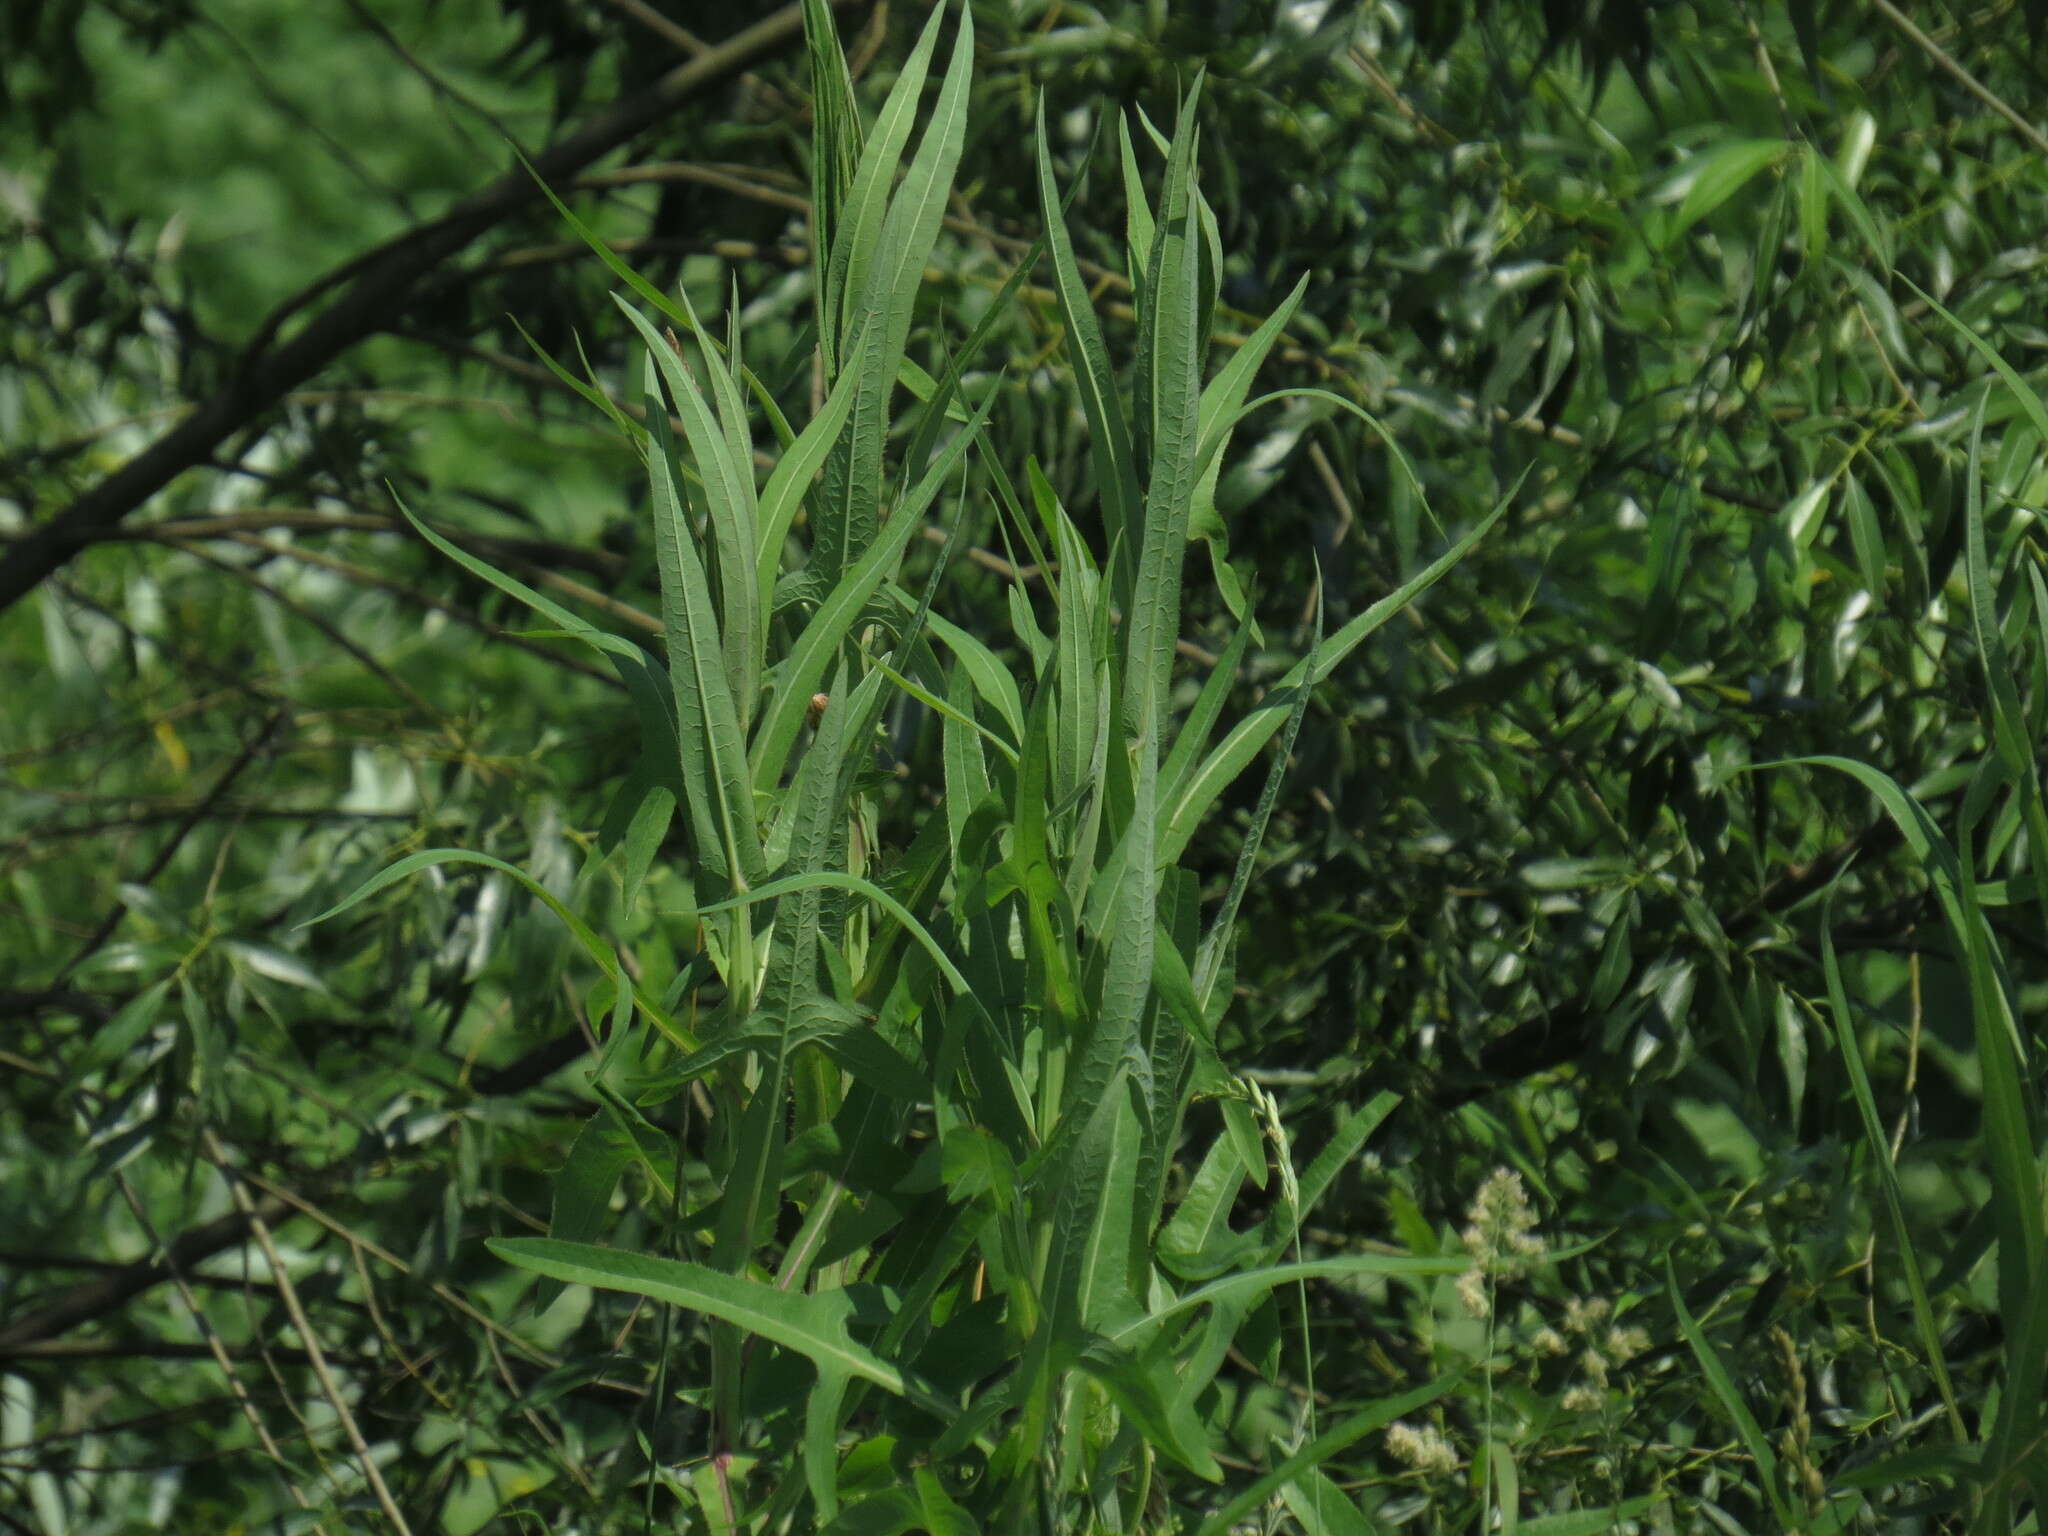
[{"x": 1717, "y": 1084}]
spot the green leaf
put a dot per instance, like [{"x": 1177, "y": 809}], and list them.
[
  {"x": 720, "y": 796},
  {"x": 1591, "y": 1522},
  {"x": 1714, "y": 175},
  {"x": 1221, "y": 400},
  {"x": 812, "y": 1325},
  {"x": 805, "y": 666},
  {"x": 1325, "y": 1448},
  {"x": 1724, "y": 1389},
  {"x": 836, "y": 140},
  {"x": 593, "y": 946},
  {"x": 1879, "y": 1145},
  {"x": 1109, "y": 429},
  {"x": 583, "y": 1188},
  {"x": 725, "y": 470},
  {"x": 882, "y": 283},
  {"x": 790, "y": 481}
]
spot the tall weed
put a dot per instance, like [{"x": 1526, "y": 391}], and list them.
[{"x": 926, "y": 1220}]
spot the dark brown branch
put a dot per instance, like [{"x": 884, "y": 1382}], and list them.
[
  {"x": 115, "y": 1288},
  {"x": 373, "y": 288},
  {"x": 84, "y": 1303},
  {"x": 70, "y": 1351}
]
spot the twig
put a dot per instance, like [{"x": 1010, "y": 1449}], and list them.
[
  {"x": 214, "y": 1347},
  {"x": 1947, "y": 61},
  {"x": 328, "y": 628},
  {"x": 316, "y": 1357},
  {"x": 161, "y": 862},
  {"x": 648, "y": 17}
]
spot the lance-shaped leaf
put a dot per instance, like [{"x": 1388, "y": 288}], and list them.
[
  {"x": 1222, "y": 398},
  {"x": 1116, "y": 475},
  {"x": 814, "y": 1325},
  {"x": 727, "y": 476},
  {"x": 881, "y": 299},
  {"x": 755, "y": 1178},
  {"x": 866, "y": 205},
  {"x": 720, "y": 797},
  {"x": 835, "y": 154},
  {"x": 812, "y": 655}
]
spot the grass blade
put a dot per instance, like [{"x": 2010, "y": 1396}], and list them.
[
  {"x": 1746, "y": 1427},
  {"x": 1888, "y": 1176}
]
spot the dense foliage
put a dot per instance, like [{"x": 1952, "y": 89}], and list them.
[{"x": 1577, "y": 1066}]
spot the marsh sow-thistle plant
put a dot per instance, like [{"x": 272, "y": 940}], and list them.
[{"x": 926, "y": 1273}]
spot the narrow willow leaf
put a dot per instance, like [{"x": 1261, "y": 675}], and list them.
[
  {"x": 2010, "y": 732},
  {"x": 946, "y": 711},
  {"x": 964, "y": 766},
  {"x": 1209, "y": 964},
  {"x": 582, "y": 1188},
  {"x": 596, "y": 948},
  {"x": 604, "y": 253},
  {"x": 644, "y": 833},
  {"x": 992, "y": 681},
  {"x": 866, "y": 205},
  {"x": 1865, "y": 537},
  {"x": 2029, "y": 402},
  {"x": 751, "y": 1184},
  {"x": 1221, "y": 400},
  {"x": 628, "y": 431},
  {"x": 613, "y": 646},
  {"x": 112, "y": 1041},
  {"x": 790, "y": 481},
  {"x": 1939, "y": 862},
  {"x": 859, "y": 886},
  {"x": 822, "y": 1415},
  {"x": 1081, "y": 670},
  {"x": 1083, "y": 1270},
  {"x": 1137, "y": 212},
  {"x": 1236, "y": 750},
  {"x": 1193, "y": 736},
  {"x": 940, "y": 404},
  {"x": 1152, "y": 621},
  {"x": 1717, "y": 174},
  {"x": 1845, "y": 193},
  {"x": 835, "y": 161}
]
